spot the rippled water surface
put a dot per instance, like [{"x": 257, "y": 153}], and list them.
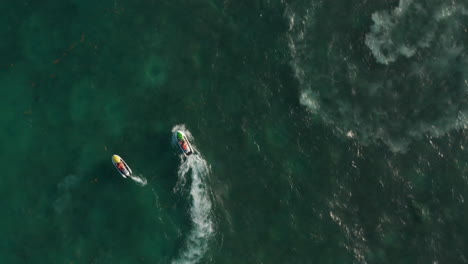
[{"x": 325, "y": 132}]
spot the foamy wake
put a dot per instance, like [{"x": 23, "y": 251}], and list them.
[
  {"x": 196, "y": 243},
  {"x": 142, "y": 181}
]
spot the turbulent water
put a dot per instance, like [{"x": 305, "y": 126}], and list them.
[
  {"x": 201, "y": 209},
  {"x": 325, "y": 131},
  {"x": 408, "y": 65},
  {"x": 139, "y": 179}
]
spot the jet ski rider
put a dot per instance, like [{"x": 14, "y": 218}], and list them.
[
  {"x": 184, "y": 145},
  {"x": 182, "y": 141},
  {"x": 120, "y": 164}
]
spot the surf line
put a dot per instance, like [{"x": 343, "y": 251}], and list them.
[{"x": 197, "y": 241}]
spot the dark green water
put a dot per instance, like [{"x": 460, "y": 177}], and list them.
[{"x": 327, "y": 131}]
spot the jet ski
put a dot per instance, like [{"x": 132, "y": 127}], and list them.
[
  {"x": 121, "y": 166},
  {"x": 183, "y": 143}
]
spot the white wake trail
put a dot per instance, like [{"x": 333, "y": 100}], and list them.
[
  {"x": 142, "y": 181},
  {"x": 196, "y": 243}
]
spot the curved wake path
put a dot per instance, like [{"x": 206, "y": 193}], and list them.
[{"x": 196, "y": 243}]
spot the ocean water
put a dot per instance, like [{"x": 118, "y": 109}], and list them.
[{"x": 326, "y": 131}]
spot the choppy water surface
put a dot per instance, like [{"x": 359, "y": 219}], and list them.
[{"x": 326, "y": 132}]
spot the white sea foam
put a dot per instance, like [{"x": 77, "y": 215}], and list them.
[
  {"x": 142, "y": 181},
  {"x": 343, "y": 94},
  {"x": 309, "y": 99},
  {"x": 380, "y": 40},
  {"x": 197, "y": 241}
]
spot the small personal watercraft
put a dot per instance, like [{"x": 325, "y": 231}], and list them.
[
  {"x": 183, "y": 143},
  {"x": 121, "y": 166}
]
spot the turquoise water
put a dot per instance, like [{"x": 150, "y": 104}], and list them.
[{"x": 326, "y": 132}]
